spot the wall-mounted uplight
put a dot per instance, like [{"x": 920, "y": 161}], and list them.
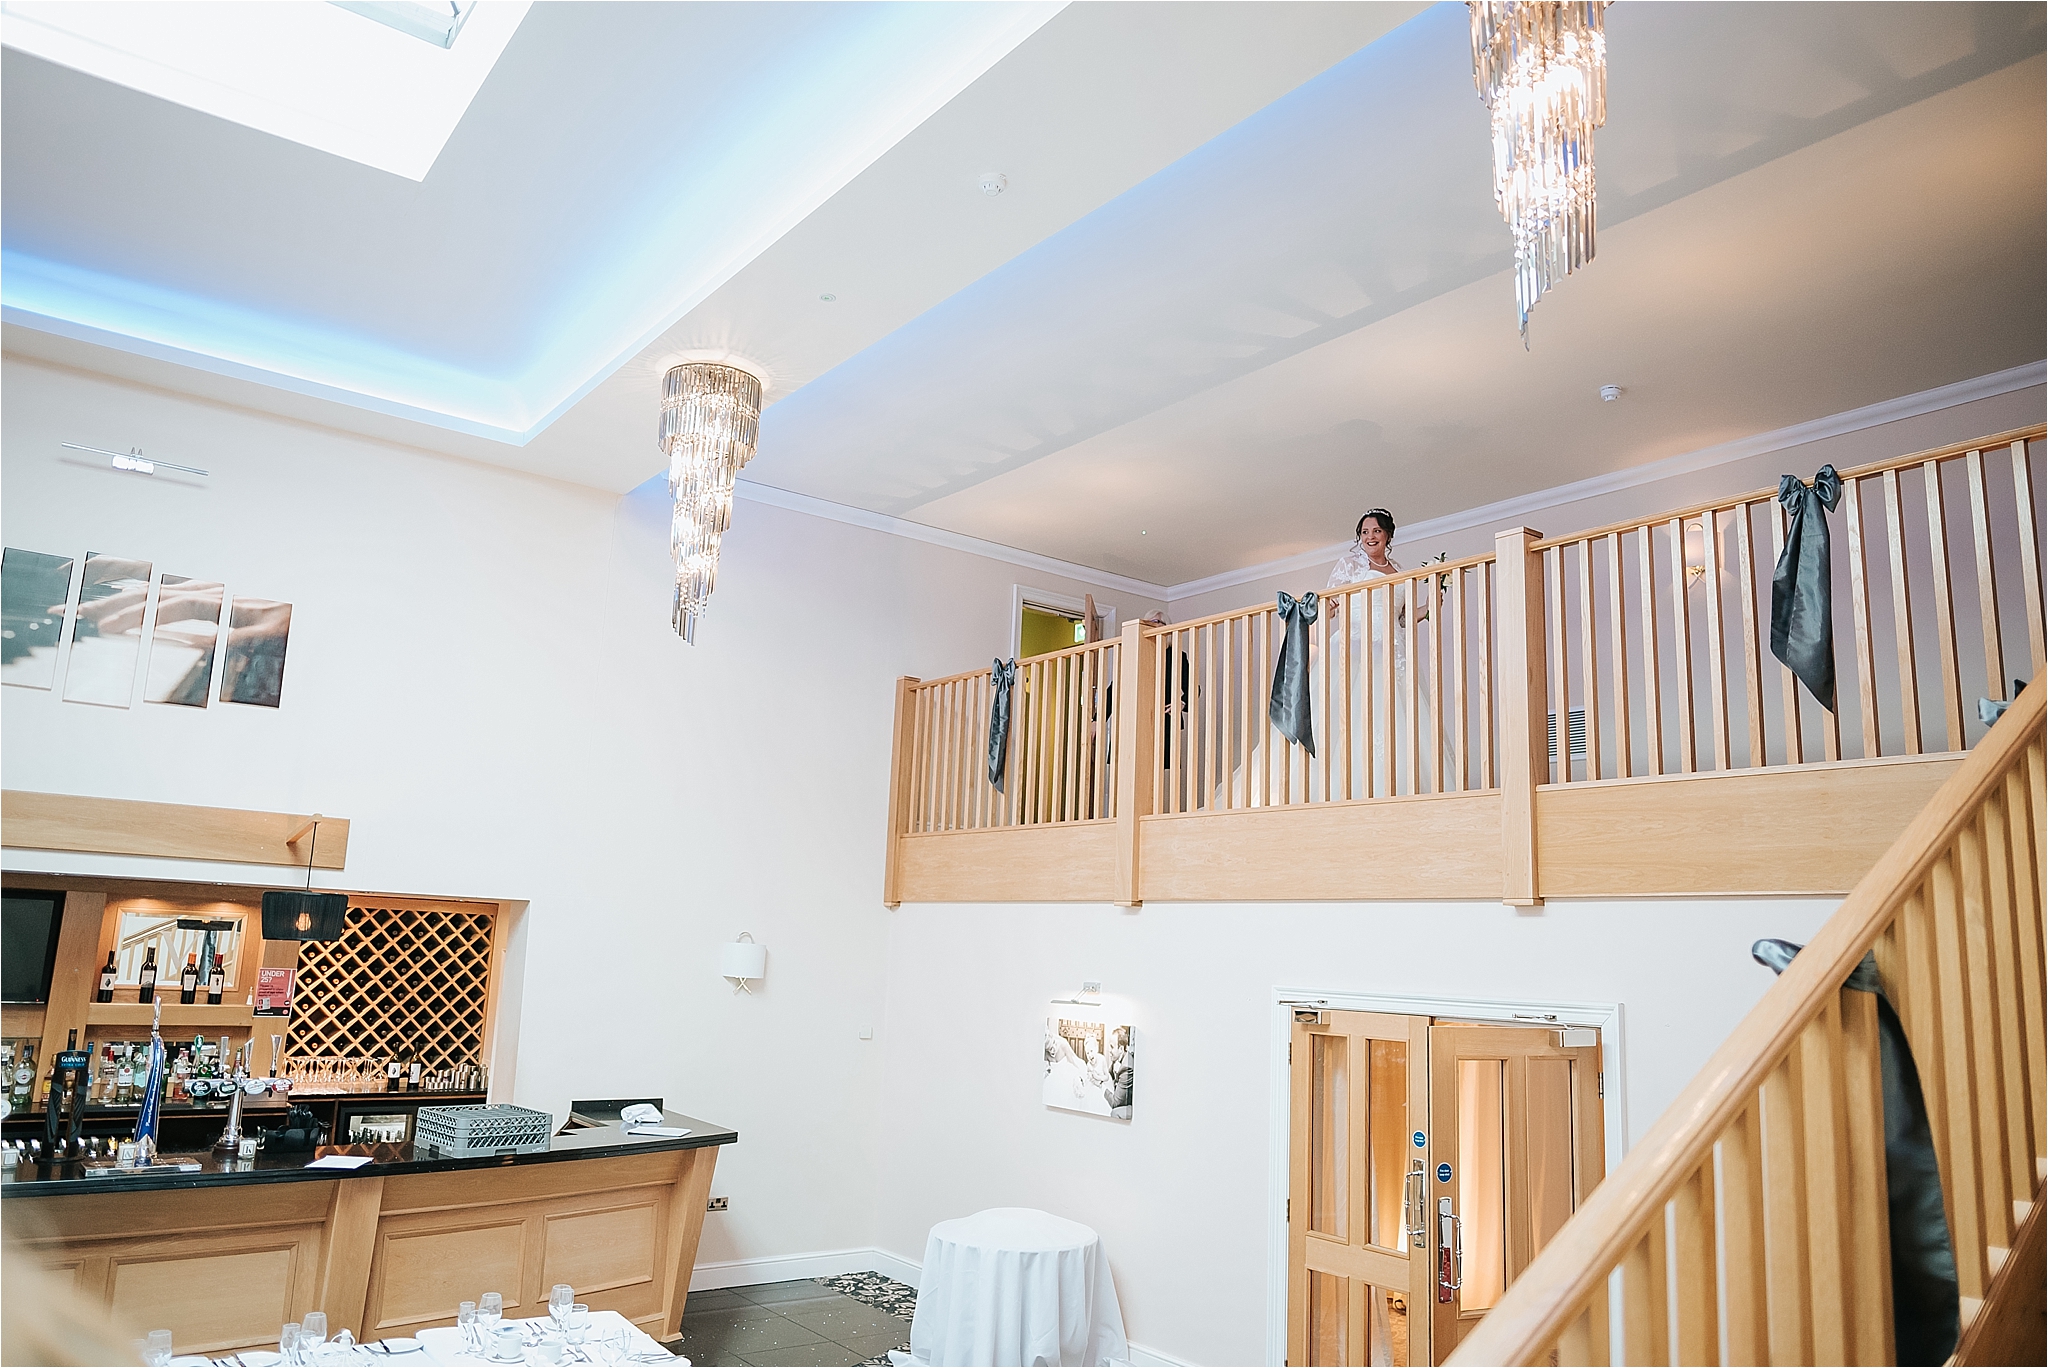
[
  {"x": 1695, "y": 545},
  {"x": 742, "y": 960},
  {"x": 133, "y": 460}
]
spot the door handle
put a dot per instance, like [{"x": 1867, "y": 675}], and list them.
[
  {"x": 1450, "y": 1252},
  {"x": 1414, "y": 1220}
]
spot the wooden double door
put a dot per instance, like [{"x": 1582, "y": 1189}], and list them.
[{"x": 1429, "y": 1161}]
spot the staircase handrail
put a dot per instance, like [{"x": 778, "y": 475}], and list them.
[{"x": 1540, "y": 1304}]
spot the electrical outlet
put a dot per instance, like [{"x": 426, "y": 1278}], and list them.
[{"x": 715, "y": 1204}]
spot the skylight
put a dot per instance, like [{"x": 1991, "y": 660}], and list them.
[{"x": 314, "y": 74}]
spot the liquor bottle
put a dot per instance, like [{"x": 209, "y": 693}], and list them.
[
  {"x": 106, "y": 992},
  {"x": 124, "y": 1077},
  {"x": 188, "y": 980},
  {"x": 216, "y": 982},
  {"x": 147, "y": 992},
  {"x": 181, "y": 1077}
]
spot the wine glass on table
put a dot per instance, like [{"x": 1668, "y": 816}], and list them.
[
  {"x": 288, "y": 1343},
  {"x": 560, "y": 1298},
  {"x": 465, "y": 1321},
  {"x": 157, "y": 1349},
  {"x": 312, "y": 1334},
  {"x": 489, "y": 1312}
]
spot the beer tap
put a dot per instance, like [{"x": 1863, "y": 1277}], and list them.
[{"x": 67, "y": 1090}]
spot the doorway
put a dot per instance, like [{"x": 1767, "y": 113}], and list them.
[{"x": 1429, "y": 1160}]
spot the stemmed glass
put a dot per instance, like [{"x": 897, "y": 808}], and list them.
[
  {"x": 312, "y": 1334},
  {"x": 560, "y": 1298},
  {"x": 489, "y": 1312},
  {"x": 288, "y": 1343},
  {"x": 465, "y": 1321},
  {"x": 157, "y": 1349}
]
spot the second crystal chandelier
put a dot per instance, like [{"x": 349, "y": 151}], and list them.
[
  {"x": 1541, "y": 69},
  {"x": 710, "y": 421}
]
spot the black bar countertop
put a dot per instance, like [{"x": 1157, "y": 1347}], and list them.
[{"x": 31, "y": 1179}]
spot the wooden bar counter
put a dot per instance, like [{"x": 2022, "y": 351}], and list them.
[{"x": 227, "y": 1255}]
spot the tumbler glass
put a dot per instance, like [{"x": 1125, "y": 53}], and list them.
[
  {"x": 158, "y": 1348},
  {"x": 576, "y": 1323},
  {"x": 288, "y": 1342}
]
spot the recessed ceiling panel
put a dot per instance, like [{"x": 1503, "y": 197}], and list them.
[
  {"x": 317, "y": 74},
  {"x": 620, "y": 163}
]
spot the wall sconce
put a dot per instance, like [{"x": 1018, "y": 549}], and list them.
[
  {"x": 1089, "y": 996},
  {"x": 741, "y": 960},
  {"x": 1695, "y": 545}
]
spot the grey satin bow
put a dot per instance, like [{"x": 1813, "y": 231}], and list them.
[
  {"x": 1289, "y": 708},
  {"x": 1802, "y": 591},
  {"x": 1926, "y": 1314},
  {"x": 1002, "y": 674}
]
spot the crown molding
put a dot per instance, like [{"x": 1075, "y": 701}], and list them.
[
  {"x": 1506, "y": 512},
  {"x": 1509, "y": 512},
  {"x": 952, "y": 541}
]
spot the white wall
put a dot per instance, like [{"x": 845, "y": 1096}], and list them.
[
  {"x": 1560, "y": 512},
  {"x": 482, "y": 677},
  {"x": 1179, "y": 1194}
]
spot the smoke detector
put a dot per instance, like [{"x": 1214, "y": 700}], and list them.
[
  {"x": 994, "y": 183},
  {"x": 1609, "y": 393}
]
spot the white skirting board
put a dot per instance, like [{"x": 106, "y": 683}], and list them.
[
  {"x": 789, "y": 1267},
  {"x": 833, "y": 1262}
]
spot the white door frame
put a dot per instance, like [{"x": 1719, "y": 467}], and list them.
[
  {"x": 1606, "y": 1016},
  {"x": 1022, "y": 594}
]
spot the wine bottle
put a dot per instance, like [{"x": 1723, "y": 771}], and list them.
[
  {"x": 188, "y": 980},
  {"x": 147, "y": 978},
  {"x": 216, "y": 982},
  {"x": 415, "y": 1082},
  {"x": 394, "y": 1073},
  {"x": 106, "y": 992}
]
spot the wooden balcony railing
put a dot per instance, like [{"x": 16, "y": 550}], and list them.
[
  {"x": 1750, "y": 1224},
  {"x": 1592, "y": 715}
]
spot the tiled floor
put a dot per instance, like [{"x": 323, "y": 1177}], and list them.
[{"x": 795, "y": 1323}]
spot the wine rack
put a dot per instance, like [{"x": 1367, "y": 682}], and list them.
[{"x": 407, "y": 983}]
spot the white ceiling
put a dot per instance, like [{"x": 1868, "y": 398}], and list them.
[
  {"x": 1248, "y": 273},
  {"x": 377, "y": 95}
]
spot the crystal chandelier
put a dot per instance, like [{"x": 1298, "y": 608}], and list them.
[
  {"x": 710, "y": 421},
  {"x": 1541, "y": 68}
]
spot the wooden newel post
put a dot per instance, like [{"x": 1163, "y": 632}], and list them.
[
  {"x": 1137, "y": 700},
  {"x": 899, "y": 789},
  {"x": 1524, "y": 710}
]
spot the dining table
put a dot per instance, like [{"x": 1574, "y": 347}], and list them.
[{"x": 612, "y": 1339}]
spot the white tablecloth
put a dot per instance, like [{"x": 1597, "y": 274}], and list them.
[
  {"x": 1018, "y": 1287},
  {"x": 443, "y": 1343}
]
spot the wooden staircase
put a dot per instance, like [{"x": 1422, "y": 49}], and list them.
[{"x": 1750, "y": 1225}]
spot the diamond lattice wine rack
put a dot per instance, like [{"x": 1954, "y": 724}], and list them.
[{"x": 400, "y": 983}]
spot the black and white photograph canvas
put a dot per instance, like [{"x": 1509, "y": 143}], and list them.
[
  {"x": 253, "y": 669},
  {"x": 1088, "y": 1067},
  {"x": 181, "y": 648},
  {"x": 106, "y": 634},
  {"x": 34, "y": 587}
]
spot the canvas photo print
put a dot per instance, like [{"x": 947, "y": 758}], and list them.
[{"x": 1088, "y": 1067}]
